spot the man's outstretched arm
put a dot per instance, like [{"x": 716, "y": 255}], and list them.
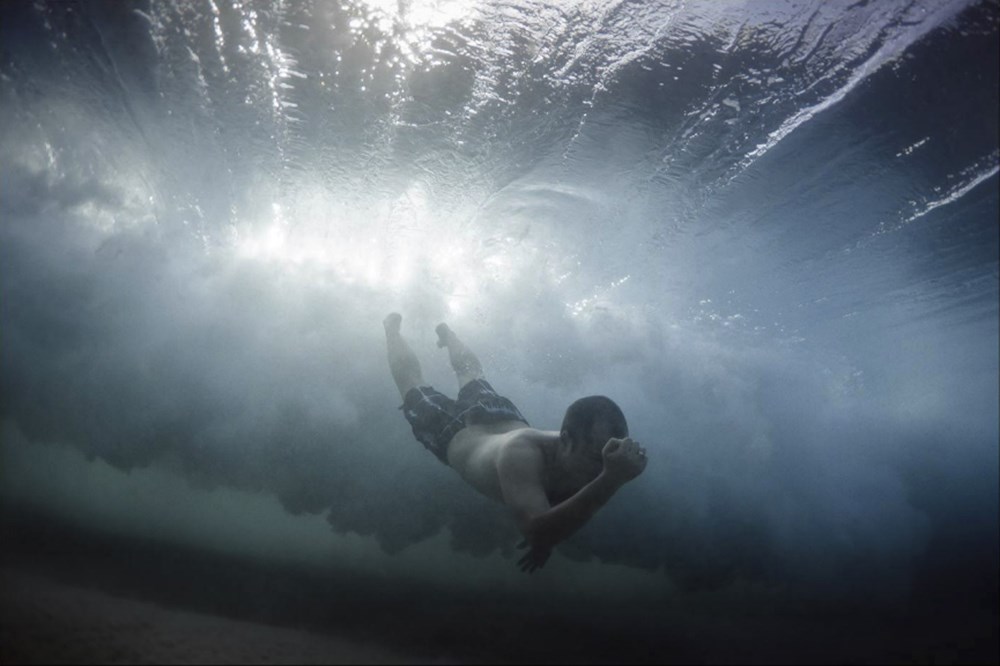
[{"x": 544, "y": 525}]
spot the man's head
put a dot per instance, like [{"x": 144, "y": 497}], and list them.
[{"x": 588, "y": 425}]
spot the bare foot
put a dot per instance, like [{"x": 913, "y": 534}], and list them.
[
  {"x": 392, "y": 323},
  {"x": 444, "y": 334}
]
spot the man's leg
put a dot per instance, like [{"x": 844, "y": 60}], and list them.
[
  {"x": 403, "y": 363},
  {"x": 463, "y": 361}
]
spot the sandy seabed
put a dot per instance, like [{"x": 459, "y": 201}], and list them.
[{"x": 44, "y": 621}]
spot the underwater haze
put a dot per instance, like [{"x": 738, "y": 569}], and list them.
[{"x": 768, "y": 230}]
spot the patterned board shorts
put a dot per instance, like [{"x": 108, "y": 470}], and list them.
[{"x": 436, "y": 418}]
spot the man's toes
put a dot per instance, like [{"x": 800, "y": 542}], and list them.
[
  {"x": 392, "y": 322},
  {"x": 443, "y": 332}
]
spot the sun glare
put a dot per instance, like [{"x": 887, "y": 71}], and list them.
[
  {"x": 388, "y": 247},
  {"x": 402, "y": 245}
]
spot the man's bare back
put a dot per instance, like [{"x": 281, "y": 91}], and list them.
[
  {"x": 474, "y": 452},
  {"x": 553, "y": 481}
]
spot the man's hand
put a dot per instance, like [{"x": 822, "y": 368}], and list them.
[
  {"x": 624, "y": 459},
  {"x": 535, "y": 558}
]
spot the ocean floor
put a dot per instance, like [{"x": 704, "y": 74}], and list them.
[
  {"x": 70, "y": 595},
  {"x": 45, "y": 621}
]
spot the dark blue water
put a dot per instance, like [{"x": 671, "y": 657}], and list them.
[{"x": 769, "y": 231}]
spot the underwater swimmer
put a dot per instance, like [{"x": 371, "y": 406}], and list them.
[{"x": 553, "y": 481}]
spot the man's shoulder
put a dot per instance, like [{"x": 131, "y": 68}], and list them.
[{"x": 521, "y": 457}]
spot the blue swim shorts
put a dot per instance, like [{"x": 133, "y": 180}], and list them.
[{"x": 436, "y": 418}]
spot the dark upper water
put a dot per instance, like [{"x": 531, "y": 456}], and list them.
[{"x": 768, "y": 230}]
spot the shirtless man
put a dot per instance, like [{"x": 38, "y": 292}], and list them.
[{"x": 553, "y": 481}]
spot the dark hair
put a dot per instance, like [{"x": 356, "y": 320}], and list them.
[{"x": 585, "y": 412}]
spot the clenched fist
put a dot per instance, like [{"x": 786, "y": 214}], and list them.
[{"x": 624, "y": 459}]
